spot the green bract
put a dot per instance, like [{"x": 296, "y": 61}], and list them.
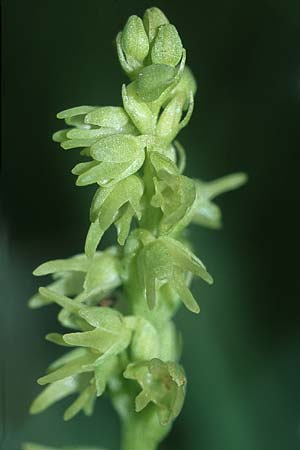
[{"x": 118, "y": 305}]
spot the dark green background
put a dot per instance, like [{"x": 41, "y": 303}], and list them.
[{"x": 242, "y": 352}]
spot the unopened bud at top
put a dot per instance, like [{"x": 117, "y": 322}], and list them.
[
  {"x": 167, "y": 46},
  {"x": 153, "y": 18},
  {"x": 134, "y": 40}
]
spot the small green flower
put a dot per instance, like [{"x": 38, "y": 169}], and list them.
[
  {"x": 117, "y": 204},
  {"x": 91, "y": 123},
  {"x": 78, "y": 276},
  {"x": 115, "y": 157},
  {"x": 162, "y": 383},
  {"x": 87, "y": 369},
  {"x": 175, "y": 196},
  {"x": 166, "y": 260},
  {"x": 167, "y": 46}
]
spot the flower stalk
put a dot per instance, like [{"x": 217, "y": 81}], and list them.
[{"x": 118, "y": 304}]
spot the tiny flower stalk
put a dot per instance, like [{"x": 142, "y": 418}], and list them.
[{"x": 118, "y": 304}]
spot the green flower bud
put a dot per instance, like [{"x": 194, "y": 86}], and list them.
[
  {"x": 153, "y": 18},
  {"x": 162, "y": 383},
  {"x": 167, "y": 46},
  {"x": 152, "y": 81},
  {"x": 134, "y": 41}
]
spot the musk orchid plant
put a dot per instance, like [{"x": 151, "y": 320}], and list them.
[{"x": 118, "y": 304}]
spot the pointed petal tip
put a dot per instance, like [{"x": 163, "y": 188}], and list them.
[
  {"x": 33, "y": 408},
  {"x": 196, "y": 310},
  {"x": 41, "y": 381}
]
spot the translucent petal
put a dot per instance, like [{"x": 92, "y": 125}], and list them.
[
  {"x": 103, "y": 272},
  {"x": 69, "y": 285},
  {"x": 74, "y": 143},
  {"x": 77, "y": 263},
  {"x": 56, "y": 338},
  {"x": 67, "y": 357},
  {"x": 78, "y": 122},
  {"x": 102, "y": 173},
  {"x": 140, "y": 114},
  {"x": 141, "y": 401},
  {"x": 32, "y": 446},
  {"x": 116, "y": 148},
  {"x": 61, "y": 300},
  {"x": 107, "y": 206},
  {"x": 105, "y": 318},
  {"x": 80, "y": 402},
  {"x": 71, "y": 368},
  {"x": 89, "y": 134},
  {"x": 169, "y": 119},
  {"x": 179, "y": 284},
  {"x": 93, "y": 238},
  {"x": 108, "y": 117},
  {"x": 186, "y": 260},
  {"x": 53, "y": 393},
  {"x": 97, "y": 339},
  {"x": 208, "y": 215},
  {"x": 161, "y": 162},
  {"x": 123, "y": 224},
  {"x": 181, "y": 156},
  {"x": 76, "y": 111},
  {"x": 225, "y": 184},
  {"x": 81, "y": 168},
  {"x": 60, "y": 136}
]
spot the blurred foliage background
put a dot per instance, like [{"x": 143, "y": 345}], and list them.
[{"x": 242, "y": 352}]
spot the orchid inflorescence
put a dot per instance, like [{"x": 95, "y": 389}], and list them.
[{"x": 129, "y": 347}]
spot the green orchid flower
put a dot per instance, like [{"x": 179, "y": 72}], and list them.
[
  {"x": 80, "y": 277},
  {"x": 162, "y": 383},
  {"x": 166, "y": 260}
]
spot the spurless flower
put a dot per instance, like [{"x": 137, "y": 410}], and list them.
[
  {"x": 118, "y": 305},
  {"x": 162, "y": 383}
]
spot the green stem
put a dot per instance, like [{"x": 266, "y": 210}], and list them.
[{"x": 142, "y": 431}]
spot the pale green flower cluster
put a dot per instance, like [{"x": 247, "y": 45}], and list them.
[{"x": 119, "y": 303}]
